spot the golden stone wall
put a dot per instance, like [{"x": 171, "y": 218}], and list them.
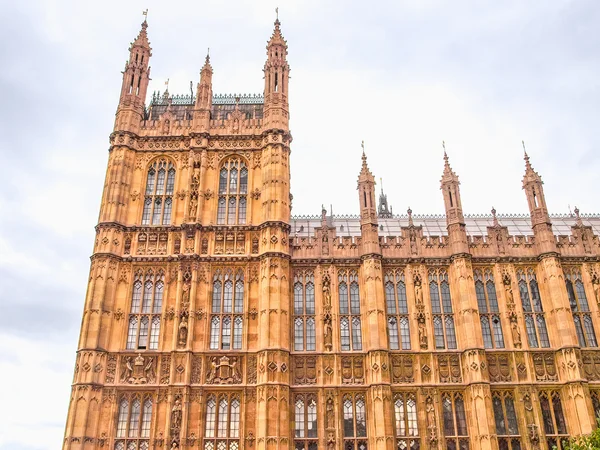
[{"x": 266, "y": 377}]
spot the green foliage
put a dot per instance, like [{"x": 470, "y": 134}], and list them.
[{"x": 588, "y": 442}]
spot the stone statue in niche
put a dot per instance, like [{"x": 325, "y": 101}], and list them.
[
  {"x": 185, "y": 296},
  {"x": 422, "y": 331},
  {"x": 329, "y": 414},
  {"x": 418, "y": 290},
  {"x": 176, "y": 416},
  {"x": 326, "y": 292},
  {"x": 596, "y": 287},
  {"x": 182, "y": 333},
  {"x": 431, "y": 425},
  {"x": 516, "y": 333},
  {"x": 328, "y": 331}
]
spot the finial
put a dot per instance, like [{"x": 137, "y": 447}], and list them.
[
  {"x": 145, "y": 13},
  {"x": 576, "y": 211},
  {"x": 167, "y": 84},
  {"x": 362, "y": 144},
  {"x": 410, "y": 220},
  {"x": 494, "y": 216},
  {"x": 277, "y": 13},
  {"x": 444, "y": 147},
  {"x": 381, "y": 182},
  {"x": 526, "y": 157}
]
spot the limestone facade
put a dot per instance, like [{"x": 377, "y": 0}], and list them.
[{"x": 215, "y": 320}]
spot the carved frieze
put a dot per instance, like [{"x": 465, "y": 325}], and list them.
[
  {"x": 353, "y": 370},
  {"x": 499, "y": 367},
  {"x": 224, "y": 370},
  {"x": 544, "y": 366},
  {"x": 305, "y": 369},
  {"x": 403, "y": 369},
  {"x": 138, "y": 370},
  {"x": 449, "y": 369}
]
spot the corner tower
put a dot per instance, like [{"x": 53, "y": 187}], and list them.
[{"x": 276, "y": 70}]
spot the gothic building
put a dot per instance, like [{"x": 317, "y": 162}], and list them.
[{"x": 215, "y": 320}]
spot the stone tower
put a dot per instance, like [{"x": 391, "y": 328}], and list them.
[{"x": 215, "y": 320}]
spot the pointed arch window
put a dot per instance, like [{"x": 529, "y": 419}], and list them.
[
  {"x": 305, "y": 336},
  {"x": 158, "y": 196},
  {"x": 406, "y": 424},
  {"x": 580, "y": 308},
  {"x": 222, "y": 425},
  {"x": 489, "y": 314},
  {"x": 305, "y": 422},
  {"x": 145, "y": 313},
  {"x": 533, "y": 312},
  {"x": 350, "y": 320},
  {"x": 226, "y": 321},
  {"x": 355, "y": 422},
  {"x": 134, "y": 417},
  {"x": 397, "y": 310},
  {"x": 233, "y": 189},
  {"x": 555, "y": 427},
  {"x": 505, "y": 417},
  {"x": 441, "y": 308},
  {"x": 455, "y": 421}
]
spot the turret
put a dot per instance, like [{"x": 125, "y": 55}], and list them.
[
  {"x": 368, "y": 209},
  {"x": 204, "y": 95},
  {"x": 455, "y": 219},
  {"x": 385, "y": 210},
  {"x": 136, "y": 77},
  {"x": 540, "y": 219},
  {"x": 276, "y": 70}
]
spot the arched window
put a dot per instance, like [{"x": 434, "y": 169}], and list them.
[
  {"x": 535, "y": 322},
  {"x": 233, "y": 188},
  {"x": 441, "y": 307},
  {"x": 350, "y": 321},
  {"x": 227, "y": 307},
  {"x": 555, "y": 426},
  {"x": 397, "y": 310},
  {"x": 158, "y": 197},
  {"x": 580, "y": 308},
  {"x": 305, "y": 420},
  {"x": 489, "y": 314},
  {"x": 405, "y": 413},
  {"x": 133, "y": 422},
  {"x": 505, "y": 417},
  {"x": 304, "y": 311},
  {"x": 455, "y": 421},
  {"x": 355, "y": 422},
  {"x": 222, "y": 422},
  {"x": 146, "y": 307}
]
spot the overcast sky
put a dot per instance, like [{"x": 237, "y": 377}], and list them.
[{"x": 400, "y": 75}]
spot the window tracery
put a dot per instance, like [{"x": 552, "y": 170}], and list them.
[
  {"x": 233, "y": 189},
  {"x": 580, "y": 308},
  {"x": 134, "y": 417},
  {"x": 555, "y": 426},
  {"x": 355, "y": 422},
  {"x": 441, "y": 308},
  {"x": 304, "y": 311},
  {"x": 406, "y": 423},
  {"x": 455, "y": 422},
  {"x": 489, "y": 314},
  {"x": 158, "y": 196},
  {"x": 350, "y": 320},
  {"x": 222, "y": 426},
  {"x": 505, "y": 417},
  {"x": 397, "y": 310},
  {"x": 305, "y": 423},
  {"x": 226, "y": 322},
  {"x": 145, "y": 313},
  {"x": 535, "y": 321}
]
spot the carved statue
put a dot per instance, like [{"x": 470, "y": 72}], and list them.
[
  {"x": 327, "y": 332},
  {"x": 196, "y": 174},
  {"x": 183, "y": 331},
  {"x": 418, "y": 290},
  {"x": 326, "y": 292},
  {"x": 185, "y": 297},
  {"x": 422, "y": 332},
  {"x": 224, "y": 370},
  {"x": 596, "y": 286},
  {"x": 514, "y": 328},
  {"x": 329, "y": 414},
  {"x": 431, "y": 424},
  {"x": 176, "y": 417},
  {"x": 510, "y": 300},
  {"x": 193, "y": 204},
  {"x": 413, "y": 242},
  {"x": 127, "y": 371},
  {"x": 210, "y": 376}
]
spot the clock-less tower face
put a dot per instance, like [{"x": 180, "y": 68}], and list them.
[{"x": 216, "y": 320}]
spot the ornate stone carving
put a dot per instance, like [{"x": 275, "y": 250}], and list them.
[
  {"x": 544, "y": 366},
  {"x": 511, "y": 311},
  {"x": 449, "y": 369},
  {"x": 330, "y": 411},
  {"x": 176, "y": 415},
  {"x": 305, "y": 370},
  {"x": 403, "y": 369},
  {"x": 498, "y": 367},
  {"x": 196, "y": 370},
  {"x": 140, "y": 370},
  {"x": 353, "y": 370},
  {"x": 182, "y": 332},
  {"x": 111, "y": 368},
  {"x": 251, "y": 369},
  {"x": 591, "y": 365},
  {"x": 165, "y": 369},
  {"x": 224, "y": 370}
]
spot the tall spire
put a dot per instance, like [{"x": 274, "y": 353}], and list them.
[
  {"x": 136, "y": 77},
  {"x": 455, "y": 219},
  {"x": 276, "y": 72},
  {"x": 204, "y": 96},
  {"x": 384, "y": 210},
  {"x": 368, "y": 209}
]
